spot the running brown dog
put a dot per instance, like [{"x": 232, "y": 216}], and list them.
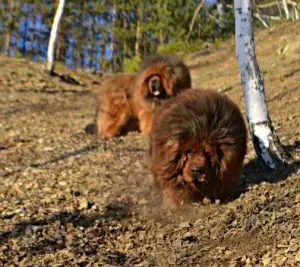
[
  {"x": 197, "y": 146},
  {"x": 126, "y": 102}
]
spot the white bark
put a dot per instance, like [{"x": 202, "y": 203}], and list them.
[
  {"x": 286, "y": 10},
  {"x": 53, "y": 36},
  {"x": 266, "y": 143},
  {"x": 259, "y": 17}
]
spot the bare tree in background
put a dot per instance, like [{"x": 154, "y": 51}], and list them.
[
  {"x": 265, "y": 140},
  {"x": 11, "y": 6},
  {"x": 53, "y": 36},
  {"x": 138, "y": 27},
  {"x": 286, "y": 10},
  {"x": 113, "y": 37},
  {"x": 201, "y": 2}
]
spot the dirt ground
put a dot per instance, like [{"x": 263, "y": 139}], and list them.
[{"x": 67, "y": 199}]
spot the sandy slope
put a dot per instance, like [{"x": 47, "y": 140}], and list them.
[{"x": 66, "y": 200}]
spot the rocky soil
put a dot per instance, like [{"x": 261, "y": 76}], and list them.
[{"x": 67, "y": 199}]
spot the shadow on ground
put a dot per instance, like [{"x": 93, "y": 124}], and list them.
[
  {"x": 254, "y": 174},
  {"x": 113, "y": 211}
]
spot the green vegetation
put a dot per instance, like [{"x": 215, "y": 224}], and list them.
[{"x": 114, "y": 35}]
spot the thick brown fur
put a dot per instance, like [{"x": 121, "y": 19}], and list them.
[
  {"x": 115, "y": 109},
  {"x": 164, "y": 75},
  {"x": 126, "y": 102},
  {"x": 198, "y": 143}
]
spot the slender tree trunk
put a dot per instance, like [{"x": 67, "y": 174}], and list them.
[
  {"x": 161, "y": 36},
  {"x": 32, "y": 35},
  {"x": 113, "y": 38},
  {"x": 53, "y": 36},
  {"x": 125, "y": 40},
  {"x": 93, "y": 43},
  {"x": 279, "y": 8},
  {"x": 138, "y": 27},
  {"x": 103, "y": 46},
  {"x": 296, "y": 15},
  {"x": 201, "y": 2},
  {"x": 24, "y": 51},
  {"x": 286, "y": 10},
  {"x": 10, "y": 28},
  {"x": 265, "y": 140}
]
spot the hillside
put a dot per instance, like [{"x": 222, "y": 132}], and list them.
[{"x": 68, "y": 200}]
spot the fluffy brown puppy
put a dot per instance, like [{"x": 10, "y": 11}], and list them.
[
  {"x": 197, "y": 147},
  {"x": 126, "y": 102},
  {"x": 160, "y": 77},
  {"x": 115, "y": 113}
]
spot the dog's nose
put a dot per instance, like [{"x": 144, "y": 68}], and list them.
[{"x": 196, "y": 172}]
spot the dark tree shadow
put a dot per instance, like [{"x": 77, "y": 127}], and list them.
[
  {"x": 113, "y": 211},
  {"x": 54, "y": 91},
  {"x": 88, "y": 148},
  {"x": 65, "y": 78},
  {"x": 254, "y": 174}
]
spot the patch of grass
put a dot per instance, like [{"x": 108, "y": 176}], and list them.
[
  {"x": 181, "y": 47},
  {"x": 132, "y": 64}
]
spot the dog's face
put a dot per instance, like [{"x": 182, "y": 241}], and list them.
[
  {"x": 155, "y": 86},
  {"x": 199, "y": 163}
]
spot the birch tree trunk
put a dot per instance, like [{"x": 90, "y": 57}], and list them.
[
  {"x": 53, "y": 36},
  {"x": 266, "y": 143}
]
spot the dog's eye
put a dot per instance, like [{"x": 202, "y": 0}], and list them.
[
  {"x": 207, "y": 155},
  {"x": 190, "y": 151}
]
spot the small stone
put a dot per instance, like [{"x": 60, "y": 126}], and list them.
[
  {"x": 298, "y": 210},
  {"x": 220, "y": 249},
  {"x": 266, "y": 261},
  {"x": 188, "y": 236},
  {"x": 244, "y": 258},
  {"x": 160, "y": 236},
  {"x": 185, "y": 225},
  {"x": 143, "y": 201},
  {"x": 177, "y": 243},
  {"x": 248, "y": 261},
  {"x": 62, "y": 183},
  {"x": 283, "y": 260},
  {"x": 294, "y": 248},
  {"x": 217, "y": 201},
  {"x": 297, "y": 258},
  {"x": 228, "y": 252},
  {"x": 206, "y": 201},
  {"x": 82, "y": 203},
  {"x": 48, "y": 148}
]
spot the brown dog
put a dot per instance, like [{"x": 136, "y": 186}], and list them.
[
  {"x": 197, "y": 146},
  {"x": 126, "y": 102},
  {"x": 160, "y": 77}
]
